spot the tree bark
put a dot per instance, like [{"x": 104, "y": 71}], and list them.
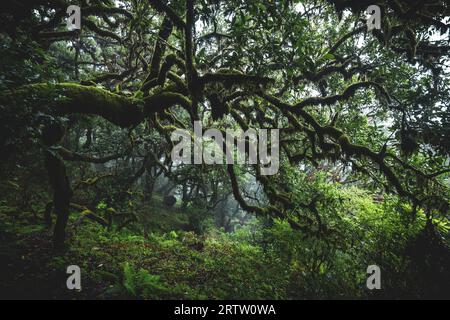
[
  {"x": 62, "y": 194},
  {"x": 52, "y": 135}
]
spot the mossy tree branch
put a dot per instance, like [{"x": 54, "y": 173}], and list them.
[
  {"x": 165, "y": 9},
  {"x": 72, "y": 98},
  {"x": 158, "y": 52}
]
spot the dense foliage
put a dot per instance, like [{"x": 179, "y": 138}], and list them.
[{"x": 87, "y": 175}]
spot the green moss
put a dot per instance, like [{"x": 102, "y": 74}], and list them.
[
  {"x": 164, "y": 100},
  {"x": 67, "y": 98},
  {"x": 344, "y": 140}
]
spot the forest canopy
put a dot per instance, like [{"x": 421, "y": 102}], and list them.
[{"x": 364, "y": 135}]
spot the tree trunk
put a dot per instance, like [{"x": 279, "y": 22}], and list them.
[
  {"x": 62, "y": 194},
  {"x": 149, "y": 186},
  {"x": 48, "y": 214}
]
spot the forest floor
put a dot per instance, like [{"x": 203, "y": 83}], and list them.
[
  {"x": 114, "y": 265},
  {"x": 25, "y": 271},
  {"x": 30, "y": 268},
  {"x": 167, "y": 262}
]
